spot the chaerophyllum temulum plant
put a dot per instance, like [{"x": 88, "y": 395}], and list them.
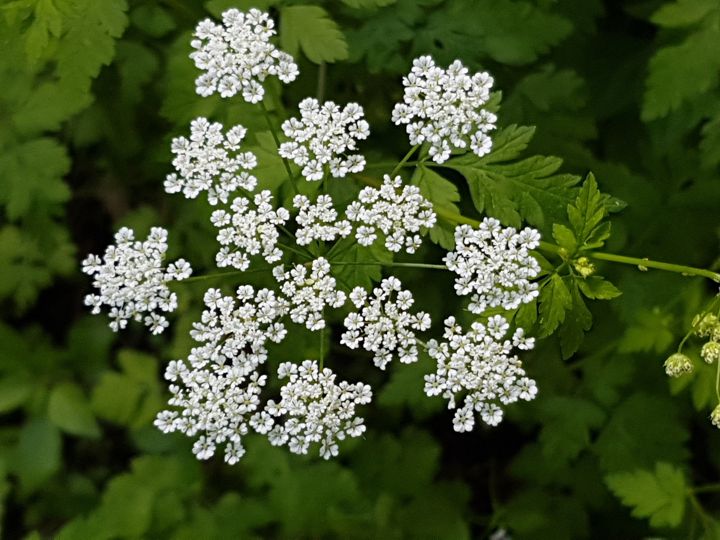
[{"x": 328, "y": 254}]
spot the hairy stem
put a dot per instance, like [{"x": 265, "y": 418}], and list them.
[{"x": 392, "y": 264}]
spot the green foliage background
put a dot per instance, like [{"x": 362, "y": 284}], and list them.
[{"x": 92, "y": 93}]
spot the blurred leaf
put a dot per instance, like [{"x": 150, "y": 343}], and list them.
[
  {"x": 312, "y": 29},
  {"x": 658, "y": 495},
  {"x": 37, "y": 454},
  {"x": 69, "y": 409}
]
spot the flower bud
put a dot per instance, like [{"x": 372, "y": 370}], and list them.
[
  {"x": 710, "y": 352},
  {"x": 705, "y": 325},
  {"x": 715, "y": 417},
  {"x": 678, "y": 364},
  {"x": 584, "y": 267}
]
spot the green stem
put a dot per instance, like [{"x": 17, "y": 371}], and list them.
[
  {"x": 322, "y": 77},
  {"x": 388, "y": 164},
  {"x": 404, "y": 160},
  {"x": 392, "y": 265},
  {"x": 322, "y": 347},
  {"x": 273, "y": 132},
  {"x": 217, "y": 275},
  {"x": 717, "y": 380},
  {"x": 647, "y": 263},
  {"x": 706, "y": 488}
]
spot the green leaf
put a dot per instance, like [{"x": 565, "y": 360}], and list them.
[
  {"x": 311, "y": 29},
  {"x": 587, "y": 211},
  {"x": 577, "y": 321},
  {"x": 37, "y": 454},
  {"x": 658, "y": 495},
  {"x": 650, "y": 331},
  {"x": 443, "y": 194},
  {"x": 364, "y": 4},
  {"x": 116, "y": 398},
  {"x": 597, "y": 288},
  {"x": 567, "y": 422},
  {"x": 643, "y": 429},
  {"x": 68, "y": 409},
  {"x": 527, "y": 190},
  {"x": 359, "y": 268},
  {"x": 554, "y": 300},
  {"x": 14, "y": 392},
  {"x": 681, "y": 72},
  {"x": 564, "y": 237},
  {"x": 683, "y": 13},
  {"x": 32, "y": 174}
]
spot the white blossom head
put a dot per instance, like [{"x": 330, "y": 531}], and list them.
[
  {"x": 494, "y": 264},
  {"x": 249, "y": 228},
  {"x": 309, "y": 292},
  {"x": 132, "y": 281},
  {"x": 313, "y": 409},
  {"x": 383, "y": 324},
  {"x": 237, "y": 56},
  {"x": 324, "y": 138},
  {"x": 478, "y": 368},
  {"x": 318, "y": 221},
  {"x": 216, "y": 391},
  {"x": 397, "y": 211},
  {"x": 444, "y": 108},
  {"x": 211, "y": 161}
]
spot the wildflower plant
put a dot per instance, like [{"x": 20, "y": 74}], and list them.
[{"x": 519, "y": 254}]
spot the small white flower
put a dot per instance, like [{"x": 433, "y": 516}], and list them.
[
  {"x": 382, "y": 325},
  {"x": 318, "y": 221},
  {"x": 444, "y": 108},
  {"x": 309, "y": 292},
  {"x": 494, "y": 264},
  {"x": 249, "y": 228},
  {"x": 132, "y": 281},
  {"x": 315, "y": 409},
  {"x": 397, "y": 211},
  {"x": 477, "y": 367},
  {"x": 211, "y": 161},
  {"x": 323, "y": 138},
  {"x": 237, "y": 56}
]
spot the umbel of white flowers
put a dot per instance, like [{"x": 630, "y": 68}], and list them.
[
  {"x": 132, "y": 281},
  {"x": 238, "y": 56},
  {"x": 444, "y": 108},
  {"x": 217, "y": 393}
]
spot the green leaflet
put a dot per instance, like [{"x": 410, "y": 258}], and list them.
[
  {"x": 658, "y": 495},
  {"x": 444, "y": 196},
  {"x": 362, "y": 267},
  {"x": 311, "y": 29},
  {"x": 530, "y": 189}
]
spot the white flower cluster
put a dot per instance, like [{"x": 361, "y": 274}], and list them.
[
  {"x": 132, "y": 280},
  {"x": 322, "y": 138},
  {"x": 318, "y": 221},
  {"x": 309, "y": 293},
  {"x": 478, "y": 365},
  {"x": 210, "y": 161},
  {"x": 399, "y": 212},
  {"x": 383, "y": 324},
  {"x": 495, "y": 265},
  {"x": 444, "y": 108},
  {"x": 218, "y": 389},
  {"x": 317, "y": 410},
  {"x": 246, "y": 231},
  {"x": 238, "y": 56}
]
